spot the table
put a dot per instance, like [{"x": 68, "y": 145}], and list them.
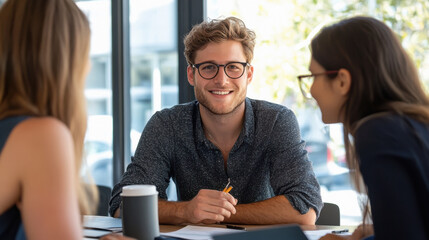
[
  {"x": 312, "y": 232},
  {"x": 171, "y": 228},
  {"x": 114, "y": 223}
]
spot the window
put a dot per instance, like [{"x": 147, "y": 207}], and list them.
[
  {"x": 154, "y": 64},
  {"x": 154, "y": 67},
  {"x": 284, "y": 30},
  {"x": 98, "y": 93},
  {"x": 153, "y": 76}
]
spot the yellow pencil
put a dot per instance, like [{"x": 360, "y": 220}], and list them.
[
  {"x": 229, "y": 189},
  {"x": 227, "y": 185}
]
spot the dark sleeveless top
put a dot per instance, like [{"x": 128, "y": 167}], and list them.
[{"x": 10, "y": 221}]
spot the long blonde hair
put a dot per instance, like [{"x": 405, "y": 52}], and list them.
[{"x": 44, "y": 52}]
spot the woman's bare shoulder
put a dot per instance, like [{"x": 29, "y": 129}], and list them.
[
  {"x": 41, "y": 125},
  {"x": 39, "y": 140}
]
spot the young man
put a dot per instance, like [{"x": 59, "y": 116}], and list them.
[{"x": 225, "y": 137}]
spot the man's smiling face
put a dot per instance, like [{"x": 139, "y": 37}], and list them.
[{"x": 222, "y": 94}]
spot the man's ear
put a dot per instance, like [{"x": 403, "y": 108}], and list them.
[
  {"x": 190, "y": 73},
  {"x": 344, "y": 81},
  {"x": 249, "y": 74}
]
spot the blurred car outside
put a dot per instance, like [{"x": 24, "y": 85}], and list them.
[{"x": 324, "y": 148}]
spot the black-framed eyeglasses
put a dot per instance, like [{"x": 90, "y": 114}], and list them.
[
  {"x": 305, "y": 82},
  {"x": 209, "y": 70}
]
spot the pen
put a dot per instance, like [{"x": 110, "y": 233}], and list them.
[
  {"x": 235, "y": 227},
  {"x": 340, "y": 231}
]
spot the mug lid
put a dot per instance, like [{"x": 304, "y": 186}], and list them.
[{"x": 139, "y": 190}]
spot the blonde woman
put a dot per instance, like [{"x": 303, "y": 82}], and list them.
[{"x": 44, "y": 59}]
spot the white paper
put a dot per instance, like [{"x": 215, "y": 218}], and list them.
[
  {"x": 317, "y": 234},
  {"x": 198, "y": 232},
  {"x": 102, "y": 223}
]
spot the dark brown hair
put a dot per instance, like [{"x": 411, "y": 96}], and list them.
[
  {"x": 216, "y": 30},
  {"x": 384, "y": 78}
]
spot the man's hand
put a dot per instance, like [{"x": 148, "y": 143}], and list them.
[{"x": 209, "y": 206}]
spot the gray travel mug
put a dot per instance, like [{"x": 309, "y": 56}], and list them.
[{"x": 140, "y": 212}]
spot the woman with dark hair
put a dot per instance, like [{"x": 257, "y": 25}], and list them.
[{"x": 364, "y": 79}]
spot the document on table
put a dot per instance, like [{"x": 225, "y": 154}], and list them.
[
  {"x": 207, "y": 233},
  {"x": 102, "y": 223},
  {"x": 317, "y": 234},
  {"x": 199, "y": 233},
  {"x": 97, "y": 226}
]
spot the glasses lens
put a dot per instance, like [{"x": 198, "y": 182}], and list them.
[
  {"x": 208, "y": 70},
  {"x": 234, "y": 70}
]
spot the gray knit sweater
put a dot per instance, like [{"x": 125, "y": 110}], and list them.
[{"x": 267, "y": 160}]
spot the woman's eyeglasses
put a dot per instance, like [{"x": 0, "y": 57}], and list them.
[{"x": 305, "y": 82}]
